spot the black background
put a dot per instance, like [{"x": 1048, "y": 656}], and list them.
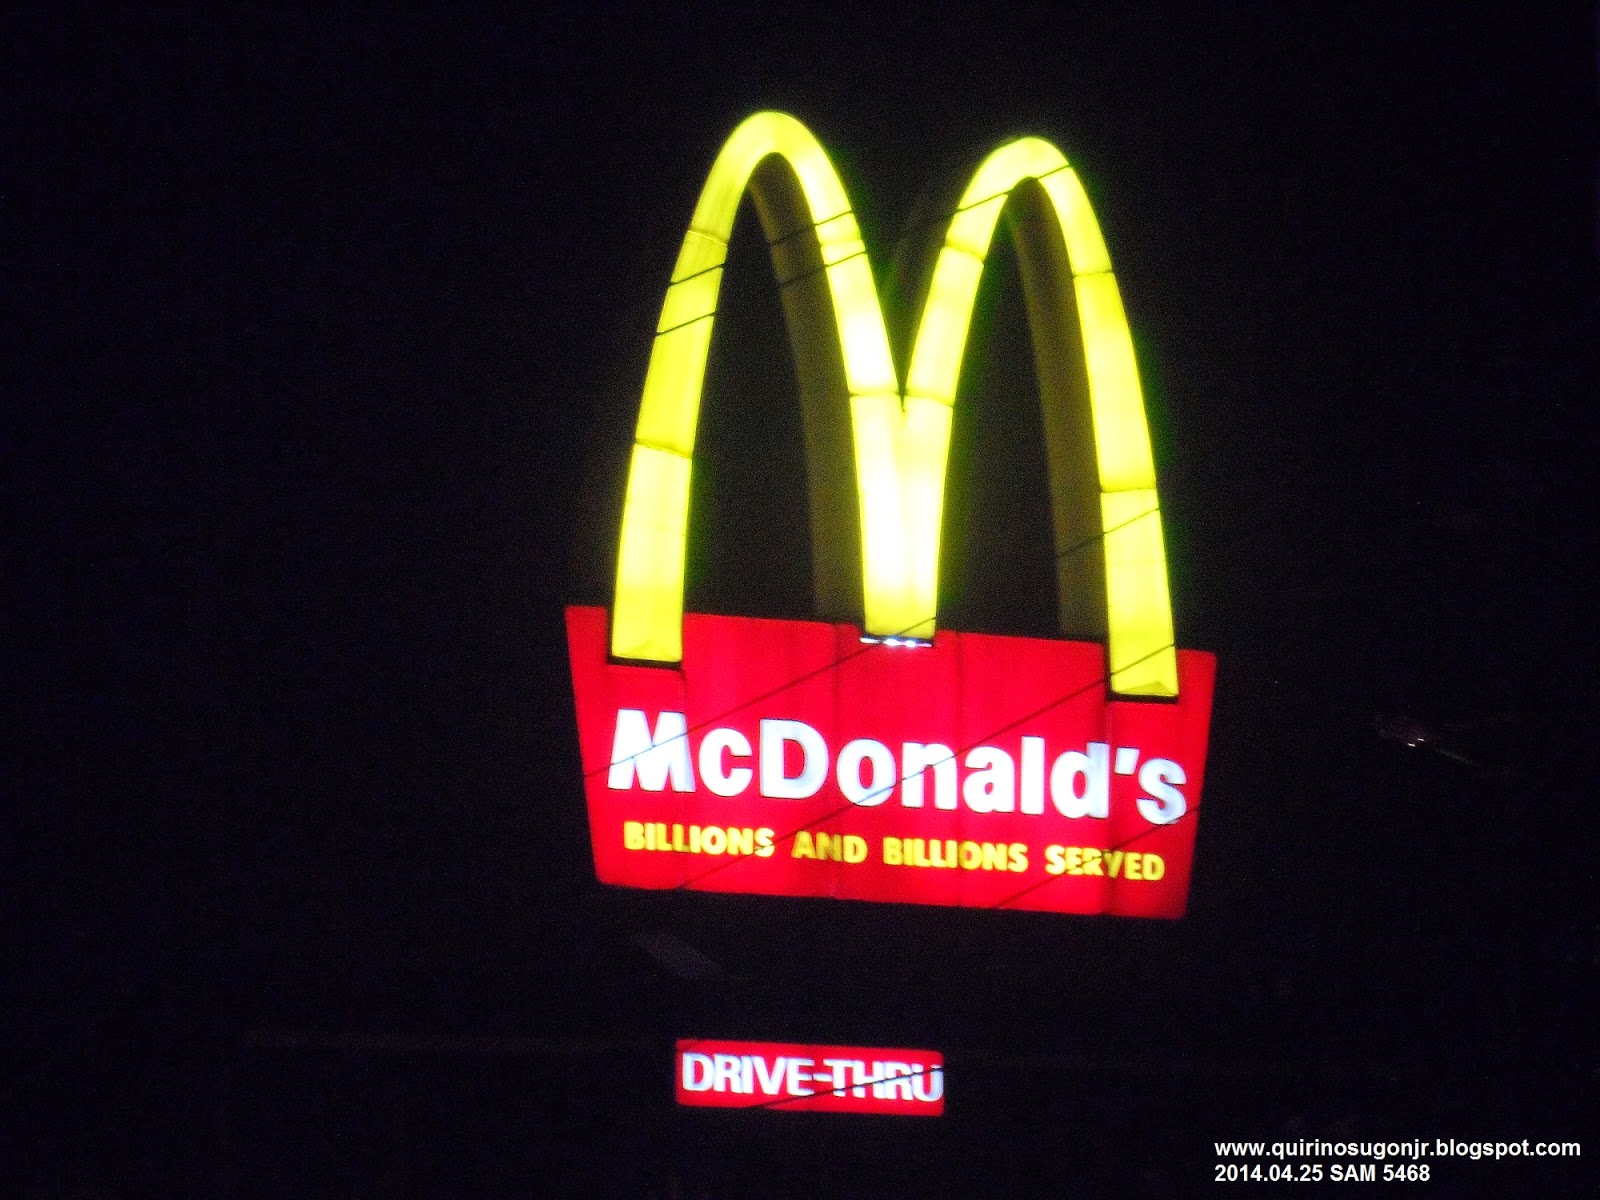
[{"x": 326, "y": 340}]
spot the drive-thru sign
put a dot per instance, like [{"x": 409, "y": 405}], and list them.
[{"x": 785, "y": 1077}]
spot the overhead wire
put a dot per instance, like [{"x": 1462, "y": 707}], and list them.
[
  {"x": 867, "y": 648},
  {"x": 1063, "y": 698},
  {"x": 916, "y": 227}
]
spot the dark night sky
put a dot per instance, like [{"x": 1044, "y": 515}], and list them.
[{"x": 326, "y": 341}]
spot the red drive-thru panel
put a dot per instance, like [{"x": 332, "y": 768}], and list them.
[
  {"x": 791, "y": 758},
  {"x": 797, "y": 1078}
]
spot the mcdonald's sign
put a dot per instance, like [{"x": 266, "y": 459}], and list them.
[{"x": 870, "y": 755}]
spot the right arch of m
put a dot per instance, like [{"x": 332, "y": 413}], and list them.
[{"x": 880, "y": 522}]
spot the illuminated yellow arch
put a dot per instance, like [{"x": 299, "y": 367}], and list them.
[
  {"x": 1055, "y": 238},
  {"x": 842, "y": 358},
  {"x": 899, "y": 442}
]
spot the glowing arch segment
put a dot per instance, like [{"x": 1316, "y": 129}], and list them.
[
  {"x": 1143, "y": 660},
  {"x": 647, "y": 616}
]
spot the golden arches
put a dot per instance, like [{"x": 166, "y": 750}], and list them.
[{"x": 900, "y": 440}]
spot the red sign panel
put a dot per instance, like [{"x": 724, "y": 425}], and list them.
[
  {"x": 792, "y": 758},
  {"x": 793, "y": 1078}
]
